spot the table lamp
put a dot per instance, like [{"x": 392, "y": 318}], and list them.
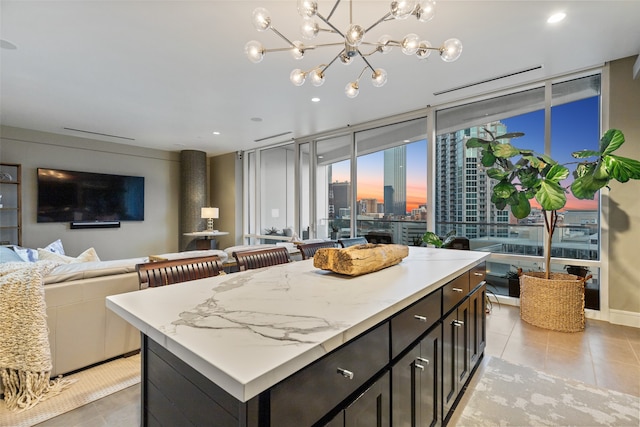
[{"x": 209, "y": 214}]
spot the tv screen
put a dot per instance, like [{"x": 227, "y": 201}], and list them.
[{"x": 69, "y": 196}]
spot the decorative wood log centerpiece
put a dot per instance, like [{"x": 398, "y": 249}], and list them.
[{"x": 359, "y": 259}]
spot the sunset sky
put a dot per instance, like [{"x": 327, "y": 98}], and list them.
[{"x": 575, "y": 126}]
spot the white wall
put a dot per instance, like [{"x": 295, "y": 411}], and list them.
[{"x": 158, "y": 233}]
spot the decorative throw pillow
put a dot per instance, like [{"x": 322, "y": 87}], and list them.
[
  {"x": 27, "y": 254},
  {"x": 86, "y": 256},
  {"x": 55, "y": 247},
  {"x": 31, "y": 255}
]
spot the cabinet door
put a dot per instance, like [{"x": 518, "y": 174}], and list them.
[
  {"x": 371, "y": 408},
  {"x": 449, "y": 351},
  {"x": 463, "y": 352},
  {"x": 406, "y": 389},
  {"x": 477, "y": 330},
  {"x": 429, "y": 368}
]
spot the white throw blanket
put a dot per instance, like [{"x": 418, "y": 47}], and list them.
[{"x": 25, "y": 356}]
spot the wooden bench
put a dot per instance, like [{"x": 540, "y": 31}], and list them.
[
  {"x": 258, "y": 258},
  {"x": 168, "y": 272},
  {"x": 308, "y": 250}
]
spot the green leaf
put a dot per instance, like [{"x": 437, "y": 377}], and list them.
[
  {"x": 523, "y": 208},
  {"x": 585, "y": 153},
  {"x": 504, "y": 189},
  {"x": 510, "y": 135},
  {"x": 432, "y": 238},
  {"x": 611, "y": 141},
  {"x": 622, "y": 168},
  {"x": 557, "y": 173},
  {"x": 529, "y": 178},
  {"x": 488, "y": 159},
  {"x": 551, "y": 196},
  {"x": 477, "y": 143},
  {"x": 584, "y": 169},
  {"x": 505, "y": 150},
  {"x": 587, "y": 186},
  {"x": 496, "y": 173}
]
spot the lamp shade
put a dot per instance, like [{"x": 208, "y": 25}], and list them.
[{"x": 209, "y": 213}]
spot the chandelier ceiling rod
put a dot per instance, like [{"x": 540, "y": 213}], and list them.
[{"x": 353, "y": 38}]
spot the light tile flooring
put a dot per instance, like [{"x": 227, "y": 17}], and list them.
[{"x": 604, "y": 355}]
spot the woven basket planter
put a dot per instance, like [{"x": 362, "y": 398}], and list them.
[{"x": 556, "y": 303}]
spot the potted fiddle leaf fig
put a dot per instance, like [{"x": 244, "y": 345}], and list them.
[{"x": 524, "y": 175}]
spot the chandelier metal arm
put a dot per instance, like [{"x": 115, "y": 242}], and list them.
[
  {"x": 366, "y": 61},
  {"x": 283, "y": 37},
  {"x": 326, "y": 21},
  {"x": 333, "y": 9},
  {"x": 332, "y": 61},
  {"x": 379, "y": 21}
]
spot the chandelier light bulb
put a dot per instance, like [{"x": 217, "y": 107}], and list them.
[
  {"x": 261, "y": 19},
  {"x": 383, "y": 44},
  {"x": 307, "y": 8},
  {"x": 309, "y": 28},
  {"x": 317, "y": 77},
  {"x": 297, "y": 52},
  {"x": 354, "y": 35},
  {"x": 410, "y": 44},
  {"x": 379, "y": 77},
  {"x": 297, "y": 77},
  {"x": 423, "y": 51},
  {"x": 426, "y": 10},
  {"x": 451, "y": 50},
  {"x": 254, "y": 51},
  {"x": 402, "y": 9},
  {"x": 345, "y": 59},
  {"x": 351, "y": 90}
]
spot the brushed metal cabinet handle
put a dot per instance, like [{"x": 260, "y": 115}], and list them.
[
  {"x": 345, "y": 373},
  {"x": 420, "y": 318},
  {"x": 456, "y": 289}
]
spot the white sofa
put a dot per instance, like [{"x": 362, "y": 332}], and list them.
[{"x": 82, "y": 331}]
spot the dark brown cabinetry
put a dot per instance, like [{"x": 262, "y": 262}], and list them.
[
  {"x": 416, "y": 383},
  {"x": 409, "y": 370}
]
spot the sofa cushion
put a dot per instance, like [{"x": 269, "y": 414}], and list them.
[
  {"x": 9, "y": 255},
  {"x": 86, "y": 256}
]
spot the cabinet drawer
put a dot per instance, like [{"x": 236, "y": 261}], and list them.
[
  {"x": 455, "y": 291},
  {"x": 306, "y": 396},
  {"x": 408, "y": 325},
  {"x": 477, "y": 275}
]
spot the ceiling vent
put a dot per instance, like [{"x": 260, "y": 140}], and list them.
[
  {"x": 515, "y": 73},
  {"x": 272, "y": 136},
  {"x": 100, "y": 134}
]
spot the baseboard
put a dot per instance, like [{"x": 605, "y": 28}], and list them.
[{"x": 626, "y": 318}]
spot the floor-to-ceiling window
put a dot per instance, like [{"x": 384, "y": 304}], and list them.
[
  {"x": 372, "y": 180},
  {"x": 570, "y": 111},
  {"x": 391, "y": 191}
]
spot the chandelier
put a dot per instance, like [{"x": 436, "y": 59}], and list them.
[{"x": 353, "y": 41}]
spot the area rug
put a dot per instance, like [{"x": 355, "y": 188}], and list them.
[
  {"x": 513, "y": 395},
  {"x": 90, "y": 385}
]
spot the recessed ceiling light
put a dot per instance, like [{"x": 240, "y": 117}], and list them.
[
  {"x": 556, "y": 17},
  {"x": 315, "y": 99},
  {"x": 215, "y": 132}
]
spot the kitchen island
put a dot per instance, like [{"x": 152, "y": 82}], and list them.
[{"x": 291, "y": 343}]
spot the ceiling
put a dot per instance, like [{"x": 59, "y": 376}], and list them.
[{"x": 167, "y": 74}]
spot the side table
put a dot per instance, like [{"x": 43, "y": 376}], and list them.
[{"x": 206, "y": 239}]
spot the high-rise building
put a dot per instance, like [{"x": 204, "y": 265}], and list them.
[
  {"x": 463, "y": 190},
  {"x": 395, "y": 180}
]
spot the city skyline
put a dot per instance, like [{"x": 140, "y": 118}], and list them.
[{"x": 577, "y": 124}]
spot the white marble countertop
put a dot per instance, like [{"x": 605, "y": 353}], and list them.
[
  {"x": 247, "y": 331},
  {"x": 206, "y": 233}
]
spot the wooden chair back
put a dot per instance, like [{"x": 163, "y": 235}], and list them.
[
  {"x": 308, "y": 250},
  {"x": 345, "y": 243},
  {"x": 162, "y": 273},
  {"x": 258, "y": 258}
]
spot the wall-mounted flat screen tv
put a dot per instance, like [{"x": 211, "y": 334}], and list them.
[{"x": 68, "y": 196}]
